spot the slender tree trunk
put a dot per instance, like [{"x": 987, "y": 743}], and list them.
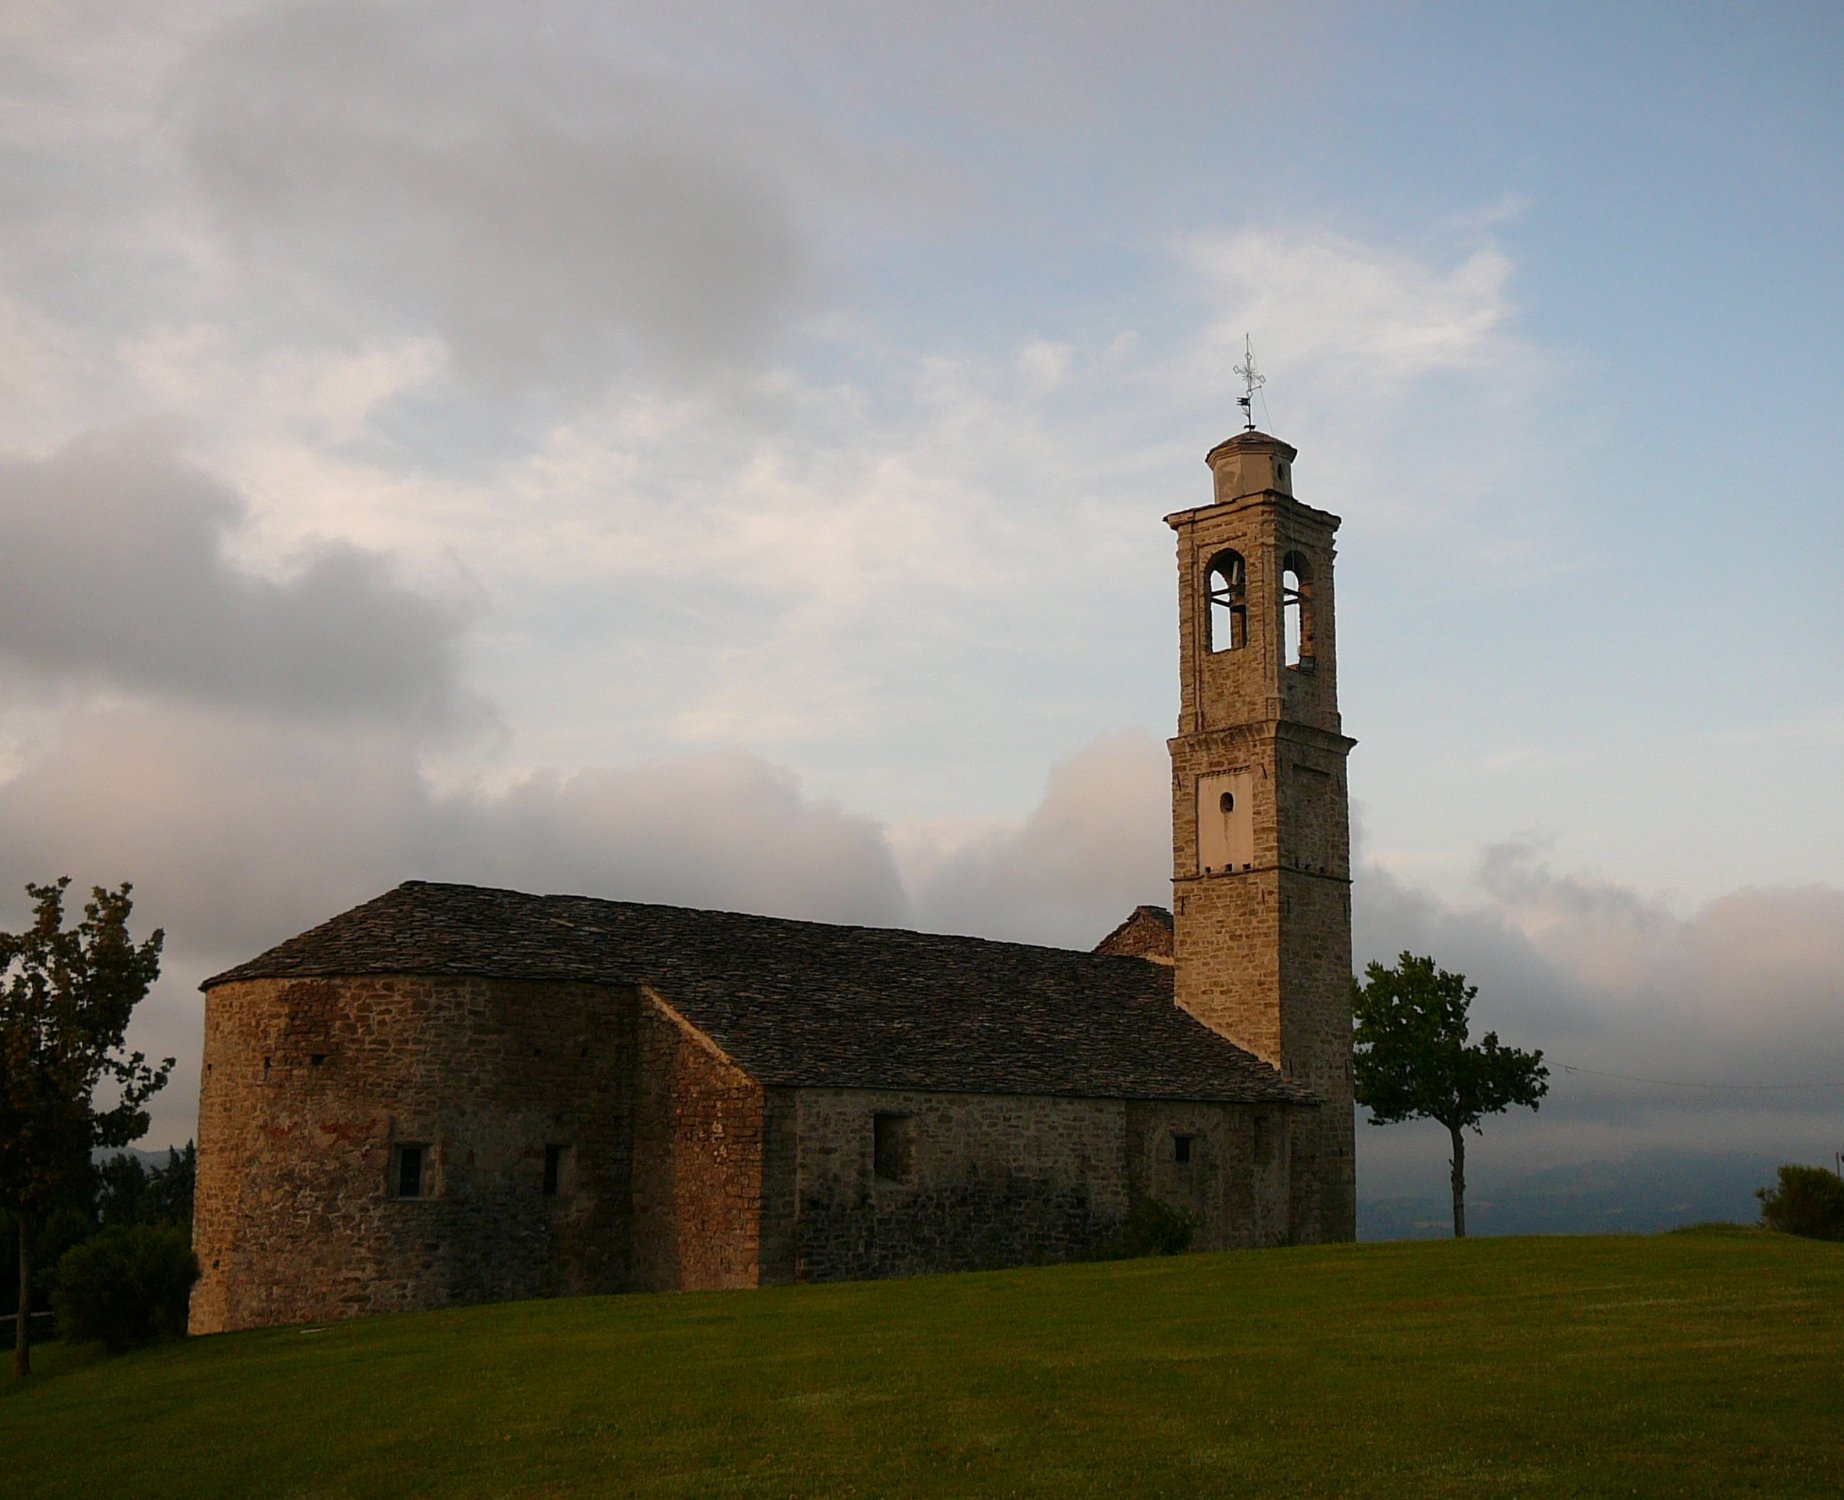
[
  {"x": 1459, "y": 1182},
  {"x": 22, "y": 1324}
]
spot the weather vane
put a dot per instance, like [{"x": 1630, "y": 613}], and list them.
[{"x": 1252, "y": 379}]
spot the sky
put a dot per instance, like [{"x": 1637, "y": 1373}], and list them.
[{"x": 716, "y": 453}]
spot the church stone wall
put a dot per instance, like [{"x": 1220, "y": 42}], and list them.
[
  {"x": 989, "y": 1181},
  {"x": 1236, "y": 1178},
  {"x": 669, "y": 1166},
  {"x": 698, "y": 1142},
  {"x": 310, "y": 1087}
]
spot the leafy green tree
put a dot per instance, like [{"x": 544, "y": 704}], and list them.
[
  {"x": 1413, "y": 1060},
  {"x": 66, "y": 996},
  {"x": 1807, "y": 1200}
]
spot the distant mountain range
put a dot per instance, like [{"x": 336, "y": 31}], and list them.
[
  {"x": 149, "y": 1159},
  {"x": 1642, "y": 1194}
]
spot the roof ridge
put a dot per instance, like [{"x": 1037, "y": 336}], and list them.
[
  {"x": 729, "y": 912},
  {"x": 804, "y": 1003}
]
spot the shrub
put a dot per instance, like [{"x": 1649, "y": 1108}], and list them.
[
  {"x": 1808, "y": 1201},
  {"x": 125, "y": 1287},
  {"x": 1152, "y": 1228}
]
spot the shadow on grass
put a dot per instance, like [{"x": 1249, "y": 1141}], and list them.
[{"x": 49, "y": 1361}]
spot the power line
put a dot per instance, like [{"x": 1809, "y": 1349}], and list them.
[{"x": 1678, "y": 1083}]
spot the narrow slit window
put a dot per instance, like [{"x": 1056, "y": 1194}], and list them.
[
  {"x": 1296, "y": 611},
  {"x": 1228, "y": 582},
  {"x": 1181, "y": 1149},
  {"x": 556, "y": 1170}
]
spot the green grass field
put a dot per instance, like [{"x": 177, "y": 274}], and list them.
[{"x": 1700, "y": 1363}]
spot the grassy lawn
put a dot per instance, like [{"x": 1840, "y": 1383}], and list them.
[{"x": 1698, "y": 1363}]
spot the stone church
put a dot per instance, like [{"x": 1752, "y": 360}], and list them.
[{"x": 453, "y": 1094}]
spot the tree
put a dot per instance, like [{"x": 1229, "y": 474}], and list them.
[
  {"x": 128, "y": 1191},
  {"x": 1413, "y": 1061},
  {"x": 169, "y": 1190},
  {"x": 65, "y": 1000},
  {"x": 1807, "y": 1201},
  {"x": 126, "y": 1286},
  {"x": 121, "y": 1190}
]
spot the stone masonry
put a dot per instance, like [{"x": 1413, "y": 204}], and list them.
[
  {"x": 455, "y": 1094},
  {"x": 311, "y": 1085},
  {"x": 1260, "y": 829},
  {"x": 682, "y": 1170}
]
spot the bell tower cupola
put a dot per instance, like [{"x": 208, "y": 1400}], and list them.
[{"x": 1261, "y": 855}]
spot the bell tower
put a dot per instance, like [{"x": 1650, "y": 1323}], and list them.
[{"x": 1261, "y": 858}]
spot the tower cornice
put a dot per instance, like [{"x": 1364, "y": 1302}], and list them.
[
  {"x": 1250, "y": 442},
  {"x": 1178, "y": 519},
  {"x": 1240, "y": 735}
]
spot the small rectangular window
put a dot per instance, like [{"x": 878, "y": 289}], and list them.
[
  {"x": 556, "y": 1170},
  {"x": 407, "y": 1174},
  {"x": 892, "y": 1147},
  {"x": 1181, "y": 1149}
]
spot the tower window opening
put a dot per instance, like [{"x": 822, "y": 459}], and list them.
[
  {"x": 557, "y": 1164},
  {"x": 408, "y": 1178},
  {"x": 1228, "y": 582},
  {"x": 1181, "y": 1149},
  {"x": 1296, "y": 612}
]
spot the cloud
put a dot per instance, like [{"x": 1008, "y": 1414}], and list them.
[
  {"x": 241, "y": 831},
  {"x": 1713, "y": 1030},
  {"x": 238, "y": 832},
  {"x": 114, "y": 572},
  {"x": 1375, "y": 316},
  {"x": 1374, "y": 350},
  {"x": 723, "y": 830},
  {"x": 1095, "y": 847},
  {"x": 552, "y": 214}
]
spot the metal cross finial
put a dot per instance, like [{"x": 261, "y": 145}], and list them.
[{"x": 1252, "y": 380}]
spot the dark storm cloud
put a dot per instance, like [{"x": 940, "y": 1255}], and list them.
[
  {"x": 548, "y": 214},
  {"x": 112, "y": 572}
]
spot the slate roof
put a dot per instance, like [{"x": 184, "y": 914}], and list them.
[
  {"x": 813, "y": 1004},
  {"x": 1148, "y": 933}
]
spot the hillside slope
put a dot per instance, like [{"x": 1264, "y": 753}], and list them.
[{"x": 1688, "y": 1364}]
